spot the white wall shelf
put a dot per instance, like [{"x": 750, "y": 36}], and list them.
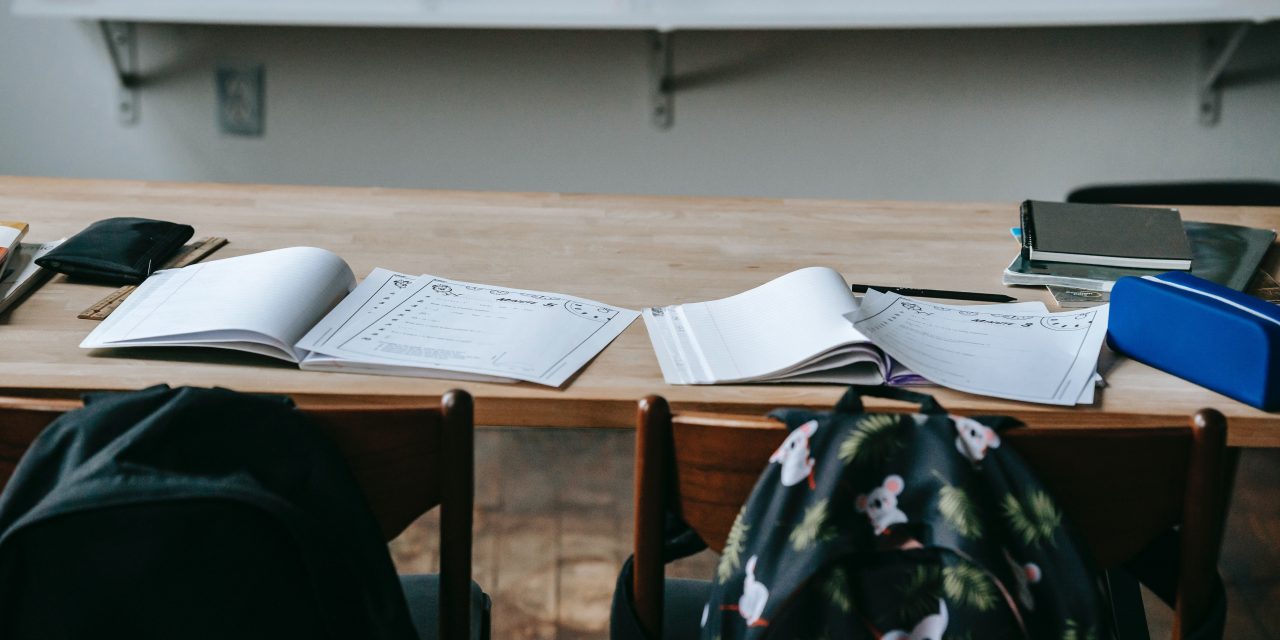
[{"x": 662, "y": 15}]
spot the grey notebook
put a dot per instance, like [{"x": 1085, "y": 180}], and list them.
[
  {"x": 1223, "y": 253},
  {"x": 1105, "y": 235}
]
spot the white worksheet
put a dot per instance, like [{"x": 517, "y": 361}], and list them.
[
  {"x": 376, "y": 293},
  {"x": 365, "y": 303},
  {"x": 493, "y": 333},
  {"x": 990, "y": 350}
]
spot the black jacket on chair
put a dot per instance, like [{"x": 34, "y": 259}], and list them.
[{"x": 191, "y": 513}]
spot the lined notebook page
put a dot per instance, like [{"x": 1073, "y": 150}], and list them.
[
  {"x": 774, "y": 326},
  {"x": 276, "y": 294}
]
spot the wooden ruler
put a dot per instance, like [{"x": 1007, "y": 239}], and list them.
[{"x": 189, "y": 254}]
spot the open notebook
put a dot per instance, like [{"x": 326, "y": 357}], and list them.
[
  {"x": 790, "y": 329},
  {"x": 806, "y": 326},
  {"x": 301, "y": 304}
]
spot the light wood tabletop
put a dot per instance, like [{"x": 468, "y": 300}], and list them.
[{"x": 629, "y": 251}]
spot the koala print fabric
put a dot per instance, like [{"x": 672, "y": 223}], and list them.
[{"x": 901, "y": 527}]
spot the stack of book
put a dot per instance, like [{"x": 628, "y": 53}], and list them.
[
  {"x": 1080, "y": 250},
  {"x": 10, "y": 234},
  {"x": 19, "y": 273}
]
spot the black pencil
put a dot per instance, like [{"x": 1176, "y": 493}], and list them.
[{"x": 935, "y": 293}]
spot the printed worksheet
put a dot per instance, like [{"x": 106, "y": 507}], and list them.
[
  {"x": 990, "y": 350},
  {"x": 365, "y": 304},
  {"x": 430, "y": 323}
]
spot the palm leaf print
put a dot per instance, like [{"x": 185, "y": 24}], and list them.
[
  {"x": 731, "y": 557},
  {"x": 1035, "y": 521},
  {"x": 875, "y": 438},
  {"x": 967, "y": 585},
  {"x": 1073, "y": 632},
  {"x": 836, "y": 588},
  {"x": 813, "y": 527},
  {"x": 920, "y": 594},
  {"x": 1045, "y": 514},
  {"x": 960, "y": 512}
]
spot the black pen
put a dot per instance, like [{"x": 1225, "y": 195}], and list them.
[{"x": 935, "y": 293}]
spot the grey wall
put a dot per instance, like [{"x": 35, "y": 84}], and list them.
[{"x": 948, "y": 115}]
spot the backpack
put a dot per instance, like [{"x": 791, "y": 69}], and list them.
[
  {"x": 191, "y": 513},
  {"x": 897, "y": 526}
]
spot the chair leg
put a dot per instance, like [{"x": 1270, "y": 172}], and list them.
[{"x": 1126, "y": 605}]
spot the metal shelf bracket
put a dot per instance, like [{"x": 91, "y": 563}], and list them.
[
  {"x": 122, "y": 47},
  {"x": 1216, "y": 52},
  {"x": 661, "y": 80}
]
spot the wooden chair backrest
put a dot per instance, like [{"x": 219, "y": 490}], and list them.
[
  {"x": 406, "y": 460},
  {"x": 1121, "y": 488}
]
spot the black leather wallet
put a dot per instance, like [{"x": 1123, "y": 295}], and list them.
[{"x": 117, "y": 250}]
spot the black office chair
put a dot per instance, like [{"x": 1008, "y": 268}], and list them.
[{"x": 1218, "y": 192}]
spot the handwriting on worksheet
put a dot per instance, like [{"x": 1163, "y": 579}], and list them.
[
  {"x": 433, "y": 322},
  {"x": 1022, "y": 355}
]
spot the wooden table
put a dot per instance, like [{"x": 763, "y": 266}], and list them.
[{"x": 623, "y": 250}]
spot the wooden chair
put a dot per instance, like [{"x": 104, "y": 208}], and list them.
[
  {"x": 1123, "y": 488},
  {"x": 406, "y": 462}
]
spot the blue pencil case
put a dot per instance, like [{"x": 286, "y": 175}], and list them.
[{"x": 1201, "y": 331}]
